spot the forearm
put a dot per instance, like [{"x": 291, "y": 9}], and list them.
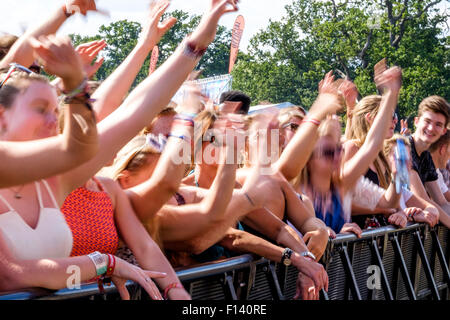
[
  {"x": 52, "y": 274},
  {"x": 21, "y": 52},
  {"x": 390, "y": 199},
  {"x": 29, "y": 161},
  {"x": 152, "y": 258},
  {"x": 150, "y": 97},
  {"x": 113, "y": 90},
  {"x": 243, "y": 242},
  {"x": 149, "y": 197}
]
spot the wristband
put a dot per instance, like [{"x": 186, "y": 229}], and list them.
[
  {"x": 314, "y": 121},
  {"x": 188, "y": 49},
  {"x": 111, "y": 265},
  {"x": 182, "y": 137},
  {"x": 170, "y": 287},
  {"x": 182, "y": 121},
  {"x": 99, "y": 261},
  {"x": 189, "y": 115}
]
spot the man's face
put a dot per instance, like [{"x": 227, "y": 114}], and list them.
[{"x": 430, "y": 127}]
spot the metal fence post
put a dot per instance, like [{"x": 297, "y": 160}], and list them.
[
  {"x": 385, "y": 281},
  {"x": 350, "y": 274},
  {"x": 426, "y": 265},
  {"x": 403, "y": 269}
]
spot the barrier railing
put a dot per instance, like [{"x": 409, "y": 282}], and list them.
[{"x": 384, "y": 264}]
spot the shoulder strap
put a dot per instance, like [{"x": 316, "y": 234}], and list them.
[
  {"x": 39, "y": 195},
  {"x": 99, "y": 184},
  {"x": 6, "y": 203},
  {"x": 50, "y": 193}
]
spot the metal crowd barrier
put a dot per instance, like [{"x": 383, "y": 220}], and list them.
[{"x": 410, "y": 264}]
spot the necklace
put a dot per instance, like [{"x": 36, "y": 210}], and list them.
[{"x": 17, "y": 194}]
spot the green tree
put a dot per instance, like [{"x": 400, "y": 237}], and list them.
[
  {"x": 122, "y": 37},
  {"x": 286, "y": 61}
]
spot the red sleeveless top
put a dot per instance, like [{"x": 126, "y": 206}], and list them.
[{"x": 90, "y": 216}]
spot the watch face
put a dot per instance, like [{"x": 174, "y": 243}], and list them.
[{"x": 287, "y": 262}]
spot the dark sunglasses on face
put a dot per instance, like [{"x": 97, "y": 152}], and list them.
[
  {"x": 14, "y": 67},
  {"x": 330, "y": 153}
]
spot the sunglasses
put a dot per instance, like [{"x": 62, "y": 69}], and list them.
[
  {"x": 330, "y": 153},
  {"x": 395, "y": 116},
  {"x": 14, "y": 67},
  {"x": 292, "y": 126}
]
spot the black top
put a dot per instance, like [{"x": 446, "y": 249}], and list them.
[{"x": 423, "y": 164}]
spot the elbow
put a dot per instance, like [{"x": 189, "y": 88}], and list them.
[
  {"x": 168, "y": 186},
  {"x": 196, "y": 246}
]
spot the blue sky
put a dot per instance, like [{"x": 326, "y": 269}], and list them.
[{"x": 17, "y": 15}]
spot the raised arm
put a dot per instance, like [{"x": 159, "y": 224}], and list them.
[
  {"x": 29, "y": 161},
  {"x": 297, "y": 153},
  {"x": 113, "y": 90},
  {"x": 360, "y": 162},
  {"x": 149, "y": 98},
  {"x": 148, "y": 197},
  {"x": 207, "y": 213},
  {"x": 22, "y": 53}
]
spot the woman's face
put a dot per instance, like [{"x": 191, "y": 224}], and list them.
[
  {"x": 327, "y": 156},
  {"x": 392, "y": 125},
  {"x": 142, "y": 174},
  {"x": 33, "y": 114},
  {"x": 288, "y": 130}
]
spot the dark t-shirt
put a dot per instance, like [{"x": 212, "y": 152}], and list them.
[{"x": 423, "y": 164}]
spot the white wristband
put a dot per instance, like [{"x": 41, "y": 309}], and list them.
[{"x": 100, "y": 262}]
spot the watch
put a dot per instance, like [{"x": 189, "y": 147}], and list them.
[
  {"x": 308, "y": 254},
  {"x": 286, "y": 257}
]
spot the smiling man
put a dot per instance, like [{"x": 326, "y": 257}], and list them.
[{"x": 431, "y": 124}]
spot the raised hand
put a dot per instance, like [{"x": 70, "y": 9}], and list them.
[
  {"x": 404, "y": 128},
  {"x": 387, "y": 79},
  {"x": 81, "y": 6},
  {"x": 88, "y": 52},
  {"x": 153, "y": 31},
  {"x": 125, "y": 271},
  {"x": 206, "y": 30},
  {"x": 350, "y": 93},
  {"x": 58, "y": 57}
]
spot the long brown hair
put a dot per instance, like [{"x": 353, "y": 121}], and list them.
[{"x": 359, "y": 129}]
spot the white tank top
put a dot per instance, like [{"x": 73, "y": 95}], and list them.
[{"x": 51, "y": 238}]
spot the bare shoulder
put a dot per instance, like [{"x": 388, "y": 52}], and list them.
[
  {"x": 111, "y": 186},
  {"x": 350, "y": 148}
]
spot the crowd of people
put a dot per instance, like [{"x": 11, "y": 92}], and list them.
[{"x": 128, "y": 185}]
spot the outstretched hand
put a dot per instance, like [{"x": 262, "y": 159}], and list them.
[
  {"x": 153, "y": 31},
  {"x": 58, "y": 57},
  {"x": 387, "y": 79},
  {"x": 206, "y": 30},
  {"x": 82, "y": 6},
  {"x": 88, "y": 52}
]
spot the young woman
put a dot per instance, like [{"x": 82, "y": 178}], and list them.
[
  {"x": 115, "y": 130},
  {"x": 330, "y": 185}
]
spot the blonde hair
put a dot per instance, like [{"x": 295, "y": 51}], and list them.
[
  {"x": 360, "y": 128},
  {"x": 287, "y": 114},
  {"x": 132, "y": 157}
]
